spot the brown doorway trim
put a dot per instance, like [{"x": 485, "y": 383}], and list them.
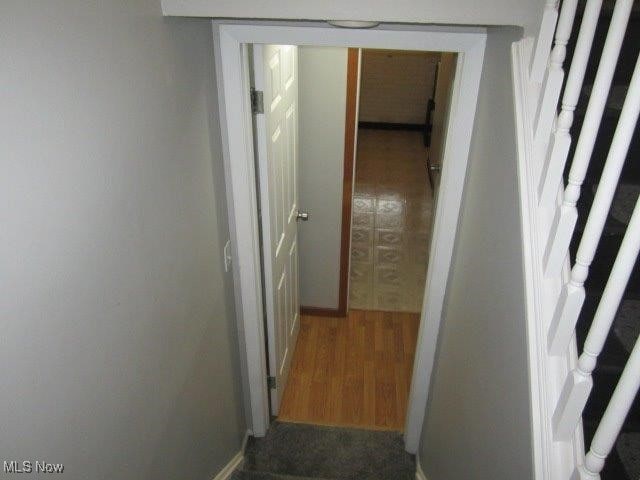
[
  {"x": 321, "y": 312},
  {"x": 347, "y": 182},
  {"x": 347, "y": 191}
]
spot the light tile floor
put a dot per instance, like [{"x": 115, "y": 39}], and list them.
[{"x": 392, "y": 210}]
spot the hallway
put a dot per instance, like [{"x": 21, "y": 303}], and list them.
[
  {"x": 352, "y": 372},
  {"x": 392, "y": 211}
]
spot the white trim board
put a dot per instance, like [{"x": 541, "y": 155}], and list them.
[
  {"x": 230, "y": 40},
  {"x": 235, "y": 462},
  {"x": 551, "y": 458},
  {"x": 230, "y": 467},
  {"x": 419, "y": 472}
]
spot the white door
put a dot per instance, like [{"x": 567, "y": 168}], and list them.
[
  {"x": 443, "y": 104},
  {"x": 442, "y": 99},
  {"x": 275, "y": 74}
]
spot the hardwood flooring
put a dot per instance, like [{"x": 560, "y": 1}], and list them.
[{"x": 353, "y": 371}]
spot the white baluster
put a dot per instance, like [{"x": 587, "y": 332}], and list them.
[
  {"x": 566, "y": 217},
  {"x": 578, "y": 385},
  {"x": 557, "y": 155},
  {"x": 541, "y": 50},
  {"x": 548, "y": 104},
  {"x": 613, "y": 419},
  {"x": 572, "y": 296}
]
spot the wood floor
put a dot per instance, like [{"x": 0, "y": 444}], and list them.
[{"x": 353, "y": 371}]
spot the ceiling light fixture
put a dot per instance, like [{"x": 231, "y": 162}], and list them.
[{"x": 353, "y": 23}]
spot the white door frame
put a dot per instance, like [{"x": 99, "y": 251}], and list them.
[{"x": 230, "y": 44}]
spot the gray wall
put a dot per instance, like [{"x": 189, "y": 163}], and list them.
[
  {"x": 322, "y": 95},
  {"x": 477, "y": 421},
  {"x": 118, "y": 342}
]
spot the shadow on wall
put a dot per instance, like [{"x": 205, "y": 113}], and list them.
[{"x": 118, "y": 317}]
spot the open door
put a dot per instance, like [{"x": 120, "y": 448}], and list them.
[
  {"x": 442, "y": 105},
  {"x": 276, "y": 135}
]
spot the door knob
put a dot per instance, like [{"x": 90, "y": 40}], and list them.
[
  {"x": 304, "y": 216},
  {"x": 436, "y": 167}
]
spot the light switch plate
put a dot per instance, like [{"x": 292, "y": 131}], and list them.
[{"x": 227, "y": 256}]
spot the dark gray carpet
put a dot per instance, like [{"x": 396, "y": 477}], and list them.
[
  {"x": 311, "y": 451},
  {"x": 246, "y": 475}
]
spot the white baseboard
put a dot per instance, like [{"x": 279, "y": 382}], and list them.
[
  {"x": 419, "y": 473},
  {"x": 229, "y": 468},
  {"x": 235, "y": 462},
  {"x": 243, "y": 446}
]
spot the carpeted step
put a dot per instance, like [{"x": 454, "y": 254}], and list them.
[
  {"x": 248, "y": 475},
  {"x": 329, "y": 453}
]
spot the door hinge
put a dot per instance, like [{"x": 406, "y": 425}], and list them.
[
  {"x": 271, "y": 382},
  {"x": 257, "y": 101}
]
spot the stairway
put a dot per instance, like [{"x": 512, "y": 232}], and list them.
[
  {"x": 624, "y": 461},
  {"x": 293, "y": 451}
]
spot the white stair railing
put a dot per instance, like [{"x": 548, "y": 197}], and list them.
[
  {"x": 579, "y": 383},
  {"x": 560, "y": 285},
  {"x": 573, "y": 294},
  {"x": 557, "y": 157},
  {"x": 567, "y": 215},
  {"x": 553, "y": 79},
  {"x": 613, "y": 419},
  {"x": 541, "y": 50}
]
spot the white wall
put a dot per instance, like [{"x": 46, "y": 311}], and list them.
[
  {"x": 478, "y": 418},
  {"x": 396, "y": 85},
  {"x": 322, "y": 96},
  {"x": 118, "y": 347},
  {"x": 524, "y": 13}
]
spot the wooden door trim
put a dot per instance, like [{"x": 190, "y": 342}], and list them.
[
  {"x": 321, "y": 312},
  {"x": 347, "y": 177}
]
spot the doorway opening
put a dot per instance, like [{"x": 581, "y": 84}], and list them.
[
  {"x": 404, "y": 105},
  {"x": 352, "y": 366},
  {"x": 234, "y": 61}
]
